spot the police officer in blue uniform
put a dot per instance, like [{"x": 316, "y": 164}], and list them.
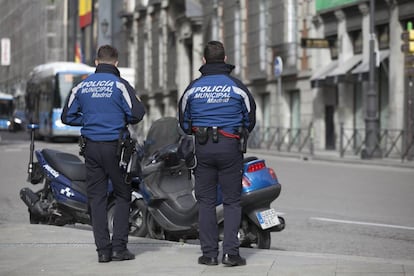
[
  {"x": 220, "y": 111},
  {"x": 103, "y": 104}
]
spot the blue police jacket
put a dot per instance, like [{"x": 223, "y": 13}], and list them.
[
  {"x": 103, "y": 104},
  {"x": 217, "y": 99}
]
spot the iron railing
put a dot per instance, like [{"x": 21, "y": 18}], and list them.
[
  {"x": 283, "y": 139},
  {"x": 391, "y": 143}
]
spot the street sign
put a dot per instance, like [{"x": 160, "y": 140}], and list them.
[
  {"x": 409, "y": 59},
  {"x": 408, "y": 39},
  {"x": 315, "y": 43},
  {"x": 278, "y": 66},
  {"x": 409, "y": 71}
]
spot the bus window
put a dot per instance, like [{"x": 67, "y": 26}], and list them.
[
  {"x": 66, "y": 81},
  {"x": 6, "y": 108},
  {"x": 6, "y": 112}
]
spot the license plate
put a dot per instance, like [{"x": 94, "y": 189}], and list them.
[{"x": 268, "y": 218}]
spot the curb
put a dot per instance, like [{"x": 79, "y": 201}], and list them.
[{"x": 391, "y": 162}]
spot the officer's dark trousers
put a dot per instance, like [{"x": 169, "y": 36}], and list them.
[
  {"x": 101, "y": 163},
  {"x": 219, "y": 163}
]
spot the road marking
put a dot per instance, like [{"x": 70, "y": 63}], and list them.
[{"x": 363, "y": 223}]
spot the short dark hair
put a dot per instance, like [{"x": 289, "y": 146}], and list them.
[
  {"x": 107, "y": 54},
  {"x": 214, "y": 52}
]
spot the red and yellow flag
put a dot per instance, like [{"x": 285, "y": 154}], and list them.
[
  {"x": 85, "y": 13},
  {"x": 78, "y": 54}
]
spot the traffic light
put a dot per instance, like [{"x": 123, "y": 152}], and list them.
[{"x": 408, "y": 39}]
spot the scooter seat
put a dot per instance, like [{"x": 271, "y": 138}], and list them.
[{"x": 67, "y": 164}]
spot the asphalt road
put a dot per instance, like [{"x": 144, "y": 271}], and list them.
[
  {"x": 346, "y": 209},
  {"x": 337, "y": 208}
]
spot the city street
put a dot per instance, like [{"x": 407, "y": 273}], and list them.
[
  {"x": 345, "y": 209},
  {"x": 329, "y": 207}
]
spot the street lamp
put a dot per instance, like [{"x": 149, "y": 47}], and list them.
[{"x": 371, "y": 119}]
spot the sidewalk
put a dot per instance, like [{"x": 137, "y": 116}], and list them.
[
  {"x": 27, "y": 249},
  {"x": 333, "y": 156}
]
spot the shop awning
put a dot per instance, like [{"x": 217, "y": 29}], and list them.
[
  {"x": 346, "y": 66},
  {"x": 364, "y": 66},
  {"x": 321, "y": 74}
]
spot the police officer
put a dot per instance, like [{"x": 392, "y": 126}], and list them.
[
  {"x": 103, "y": 104},
  {"x": 218, "y": 109}
]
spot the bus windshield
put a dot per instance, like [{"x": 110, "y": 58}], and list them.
[
  {"x": 66, "y": 81},
  {"x": 6, "y": 108}
]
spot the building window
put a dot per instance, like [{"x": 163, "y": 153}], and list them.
[
  {"x": 215, "y": 22},
  {"x": 357, "y": 42},
  {"x": 237, "y": 39},
  {"x": 267, "y": 121},
  {"x": 160, "y": 59},
  {"x": 294, "y": 108},
  {"x": 146, "y": 62},
  {"x": 263, "y": 33},
  {"x": 383, "y": 36},
  {"x": 333, "y": 42}
]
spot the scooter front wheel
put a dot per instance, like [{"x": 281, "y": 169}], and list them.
[
  {"x": 137, "y": 223},
  {"x": 34, "y": 219},
  {"x": 155, "y": 231}
]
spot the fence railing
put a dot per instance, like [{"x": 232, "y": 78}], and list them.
[
  {"x": 391, "y": 143},
  {"x": 283, "y": 139}
]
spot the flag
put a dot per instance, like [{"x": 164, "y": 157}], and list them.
[
  {"x": 78, "y": 53},
  {"x": 85, "y": 13}
]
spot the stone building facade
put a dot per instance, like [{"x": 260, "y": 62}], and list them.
[{"x": 318, "y": 91}]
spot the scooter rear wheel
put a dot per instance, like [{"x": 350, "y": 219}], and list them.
[
  {"x": 255, "y": 237},
  {"x": 263, "y": 239}
]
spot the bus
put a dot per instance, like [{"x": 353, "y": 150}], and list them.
[
  {"x": 47, "y": 89},
  {"x": 6, "y": 111},
  {"x": 128, "y": 73}
]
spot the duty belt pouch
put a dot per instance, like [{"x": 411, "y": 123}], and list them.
[
  {"x": 201, "y": 135},
  {"x": 214, "y": 134},
  {"x": 82, "y": 145},
  {"x": 134, "y": 166},
  {"x": 126, "y": 152},
  {"x": 244, "y": 135},
  {"x": 126, "y": 146}
]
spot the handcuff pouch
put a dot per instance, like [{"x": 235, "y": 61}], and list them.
[{"x": 201, "y": 134}]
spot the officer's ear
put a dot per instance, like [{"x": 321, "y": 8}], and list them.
[
  {"x": 225, "y": 58},
  {"x": 204, "y": 60},
  {"x": 96, "y": 62}
]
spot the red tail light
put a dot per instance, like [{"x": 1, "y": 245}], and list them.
[
  {"x": 246, "y": 182},
  {"x": 256, "y": 167},
  {"x": 272, "y": 173}
]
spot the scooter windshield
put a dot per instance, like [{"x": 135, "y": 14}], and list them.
[{"x": 163, "y": 132}]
